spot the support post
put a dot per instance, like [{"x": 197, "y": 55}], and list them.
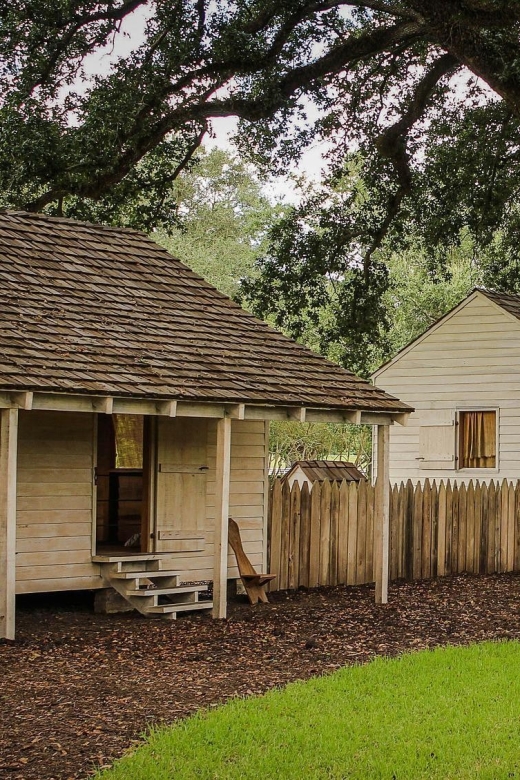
[
  {"x": 223, "y": 470},
  {"x": 382, "y": 515},
  {"x": 8, "y": 452}
]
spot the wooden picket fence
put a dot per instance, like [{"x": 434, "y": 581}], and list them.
[{"x": 324, "y": 535}]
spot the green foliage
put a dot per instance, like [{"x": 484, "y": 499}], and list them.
[
  {"x": 313, "y": 284},
  {"x": 419, "y": 294},
  {"x": 223, "y": 219},
  {"x": 448, "y": 713},
  {"x": 290, "y": 441},
  {"x": 427, "y": 94}
]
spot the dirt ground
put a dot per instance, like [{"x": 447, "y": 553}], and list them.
[{"x": 78, "y": 689}]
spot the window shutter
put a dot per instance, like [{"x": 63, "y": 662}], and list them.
[{"x": 437, "y": 440}]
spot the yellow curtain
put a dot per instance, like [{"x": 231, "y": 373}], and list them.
[
  {"x": 128, "y": 429},
  {"x": 477, "y": 440}
]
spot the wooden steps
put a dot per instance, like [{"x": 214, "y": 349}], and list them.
[{"x": 152, "y": 590}]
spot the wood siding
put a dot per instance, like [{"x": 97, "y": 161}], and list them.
[
  {"x": 248, "y": 491},
  {"x": 54, "y": 502},
  {"x": 469, "y": 361}
]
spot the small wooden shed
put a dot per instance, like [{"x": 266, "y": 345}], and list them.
[
  {"x": 134, "y": 409},
  {"x": 310, "y": 471}
]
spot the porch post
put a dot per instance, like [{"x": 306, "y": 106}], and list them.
[
  {"x": 8, "y": 451},
  {"x": 382, "y": 514},
  {"x": 223, "y": 469}
]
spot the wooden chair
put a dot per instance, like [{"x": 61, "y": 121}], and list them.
[{"x": 253, "y": 583}]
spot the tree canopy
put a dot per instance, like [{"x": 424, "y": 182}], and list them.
[
  {"x": 223, "y": 219},
  {"x": 391, "y": 79}
]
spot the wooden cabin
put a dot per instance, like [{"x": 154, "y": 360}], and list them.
[
  {"x": 311, "y": 471},
  {"x": 135, "y": 401},
  {"x": 462, "y": 376}
]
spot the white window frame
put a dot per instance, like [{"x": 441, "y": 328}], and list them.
[{"x": 480, "y": 408}]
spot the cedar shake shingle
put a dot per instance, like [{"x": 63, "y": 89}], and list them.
[{"x": 101, "y": 310}]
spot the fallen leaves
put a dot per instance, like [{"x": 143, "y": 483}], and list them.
[{"x": 78, "y": 689}]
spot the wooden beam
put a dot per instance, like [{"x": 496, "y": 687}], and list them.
[
  {"x": 237, "y": 412},
  {"x": 103, "y": 405},
  {"x": 188, "y": 409},
  {"x": 376, "y": 418},
  {"x": 8, "y": 453},
  {"x": 166, "y": 408},
  {"x": 253, "y": 412},
  {"x": 333, "y": 415},
  {"x": 220, "y": 563},
  {"x": 298, "y": 414},
  {"x": 401, "y": 419},
  {"x": 382, "y": 514},
  {"x": 23, "y": 400}
]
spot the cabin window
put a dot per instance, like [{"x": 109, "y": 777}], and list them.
[{"x": 477, "y": 440}]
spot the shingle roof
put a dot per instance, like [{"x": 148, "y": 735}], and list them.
[
  {"x": 319, "y": 470},
  {"x": 100, "y": 310},
  {"x": 511, "y": 303}
]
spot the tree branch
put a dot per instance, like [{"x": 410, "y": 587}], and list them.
[
  {"x": 200, "y": 109},
  {"x": 391, "y": 144},
  {"x": 62, "y": 44}
]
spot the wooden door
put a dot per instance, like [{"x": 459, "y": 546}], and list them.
[{"x": 181, "y": 484}]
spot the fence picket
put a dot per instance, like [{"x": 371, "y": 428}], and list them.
[
  {"x": 516, "y": 566},
  {"x": 426, "y": 531},
  {"x": 334, "y": 526},
  {"x": 294, "y": 536},
  {"x": 408, "y": 529},
  {"x": 470, "y": 527},
  {"x": 324, "y": 535},
  {"x": 305, "y": 534},
  {"x": 510, "y": 560},
  {"x": 441, "y": 531},
  {"x": 283, "y": 575},
  {"x": 361, "y": 536},
  {"x": 417, "y": 532},
  {"x": 324, "y": 532},
  {"x": 455, "y": 529},
  {"x": 314, "y": 539},
  {"x": 461, "y": 553},
  {"x": 491, "y": 557},
  {"x": 274, "y": 528}
]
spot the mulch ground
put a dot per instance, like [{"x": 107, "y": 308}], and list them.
[{"x": 78, "y": 689}]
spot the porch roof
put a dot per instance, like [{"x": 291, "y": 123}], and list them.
[{"x": 102, "y": 311}]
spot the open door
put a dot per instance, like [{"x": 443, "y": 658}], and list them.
[
  {"x": 122, "y": 476},
  {"x": 182, "y": 466}
]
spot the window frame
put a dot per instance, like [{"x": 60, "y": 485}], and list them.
[{"x": 480, "y": 408}]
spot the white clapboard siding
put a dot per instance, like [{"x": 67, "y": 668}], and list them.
[
  {"x": 248, "y": 491},
  {"x": 471, "y": 359},
  {"x": 54, "y": 502}
]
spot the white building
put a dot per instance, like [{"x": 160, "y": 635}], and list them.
[{"x": 462, "y": 377}]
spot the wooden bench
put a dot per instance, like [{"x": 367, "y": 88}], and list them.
[{"x": 253, "y": 583}]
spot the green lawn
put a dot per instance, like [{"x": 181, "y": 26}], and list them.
[{"x": 449, "y": 713}]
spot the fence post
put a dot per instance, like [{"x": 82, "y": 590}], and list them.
[
  {"x": 275, "y": 532},
  {"x": 382, "y": 515}
]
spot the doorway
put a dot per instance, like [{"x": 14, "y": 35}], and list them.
[{"x": 122, "y": 476}]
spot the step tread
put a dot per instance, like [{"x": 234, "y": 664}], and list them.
[
  {"x": 163, "y": 609},
  {"x": 131, "y": 558},
  {"x": 142, "y": 575},
  {"x": 167, "y": 591}
]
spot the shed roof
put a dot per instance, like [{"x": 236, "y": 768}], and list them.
[
  {"x": 100, "y": 310},
  {"x": 319, "y": 470}
]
